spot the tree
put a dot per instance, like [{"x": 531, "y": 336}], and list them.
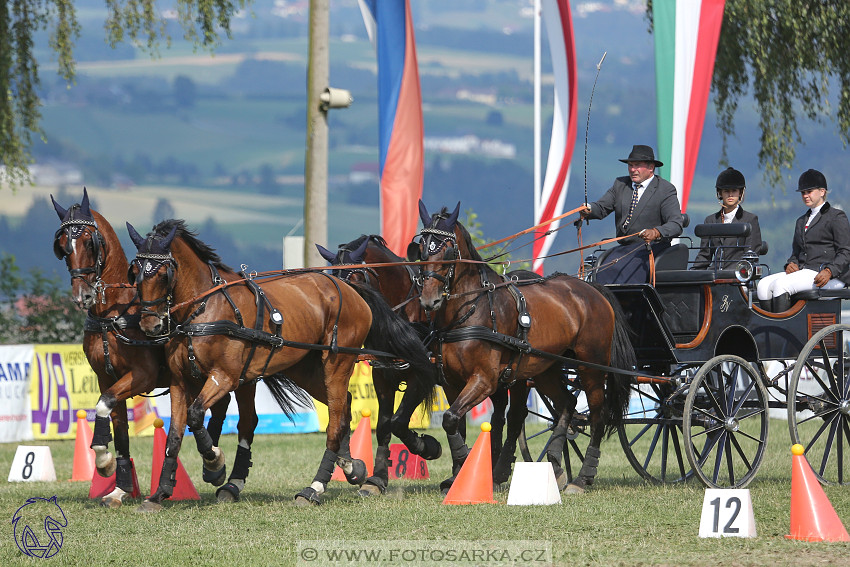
[
  {"x": 185, "y": 92},
  {"x": 792, "y": 53},
  {"x": 133, "y": 21}
]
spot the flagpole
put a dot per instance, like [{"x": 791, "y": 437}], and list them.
[{"x": 537, "y": 130}]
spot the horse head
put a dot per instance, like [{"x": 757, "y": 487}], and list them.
[
  {"x": 82, "y": 246},
  {"x": 352, "y": 253},
  {"x": 439, "y": 250},
  {"x": 153, "y": 271}
]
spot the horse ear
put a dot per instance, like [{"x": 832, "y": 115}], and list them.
[
  {"x": 423, "y": 214},
  {"x": 59, "y": 210},
  {"x": 357, "y": 255},
  {"x": 84, "y": 204},
  {"x": 167, "y": 241},
  {"x": 137, "y": 238},
  {"x": 326, "y": 254},
  {"x": 453, "y": 217}
]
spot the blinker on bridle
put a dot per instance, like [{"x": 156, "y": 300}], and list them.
[
  {"x": 433, "y": 241},
  {"x": 147, "y": 268},
  {"x": 74, "y": 229}
]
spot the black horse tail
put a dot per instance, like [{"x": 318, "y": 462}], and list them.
[
  {"x": 391, "y": 333},
  {"x": 618, "y": 388}
]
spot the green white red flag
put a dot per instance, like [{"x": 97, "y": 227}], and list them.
[{"x": 686, "y": 35}]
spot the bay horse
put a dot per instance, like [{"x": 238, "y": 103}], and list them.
[
  {"x": 492, "y": 330},
  {"x": 125, "y": 361},
  {"x": 308, "y": 329},
  {"x": 396, "y": 280}
]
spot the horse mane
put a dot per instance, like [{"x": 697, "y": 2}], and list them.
[{"x": 205, "y": 252}]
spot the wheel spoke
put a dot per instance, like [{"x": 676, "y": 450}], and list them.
[
  {"x": 678, "y": 449},
  {"x": 740, "y": 449},
  {"x": 830, "y": 438},
  {"x": 729, "y": 463},
  {"x": 828, "y": 366},
  {"x": 718, "y": 460}
]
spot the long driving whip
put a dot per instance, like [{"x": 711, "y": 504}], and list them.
[{"x": 587, "y": 126}]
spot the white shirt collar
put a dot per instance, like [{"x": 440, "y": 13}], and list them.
[
  {"x": 729, "y": 217},
  {"x": 644, "y": 184}
]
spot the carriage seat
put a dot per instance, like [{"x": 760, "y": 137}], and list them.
[{"x": 810, "y": 294}]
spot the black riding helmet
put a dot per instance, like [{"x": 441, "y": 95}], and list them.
[{"x": 730, "y": 178}]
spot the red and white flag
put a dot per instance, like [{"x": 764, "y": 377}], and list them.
[{"x": 559, "y": 29}]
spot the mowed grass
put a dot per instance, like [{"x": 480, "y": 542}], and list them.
[{"x": 620, "y": 521}]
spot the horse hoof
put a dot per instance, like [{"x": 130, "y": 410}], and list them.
[
  {"x": 227, "y": 493},
  {"x": 433, "y": 449},
  {"x": 446, "y": 485},
  {"x": 573, "y": 489},
  {"x": 107, "y": 467},
  {"x": 307, "y": 497},
  {"x": 147, "y": 506},
  {"x": 110, "y": 502},
  {"x": 562, "y": 481},
  {"x": 369, "y": 490},
  {"x": 214, "y": 477}
]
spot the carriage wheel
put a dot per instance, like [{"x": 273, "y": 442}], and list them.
[
  {"x": 578, "y": 435},
  {"x": 819, "y": 407},
  {"x": 651, "y": 433},
  {"x": 725, "y": 422}
]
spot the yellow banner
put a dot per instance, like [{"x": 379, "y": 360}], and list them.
[
  {"x": 363, "y": 396},
  {"x": 62, "y": 382}
]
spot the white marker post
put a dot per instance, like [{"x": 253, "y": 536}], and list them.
[
  {"x": 727, "y": 512},
  {"x": 31, "y": 464}
]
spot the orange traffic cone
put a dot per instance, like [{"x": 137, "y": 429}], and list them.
[
  {"x": 101, "y": 486},
  {"x": 812, "y": 516},
  {"x": 474, "y": 482},
  {"x": 83, "y": 454},
  {"x": 361, "y": 445},
  {"x": 183, "y": 487}
]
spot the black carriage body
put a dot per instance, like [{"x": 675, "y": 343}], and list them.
[{"x": 692, "y": 316}]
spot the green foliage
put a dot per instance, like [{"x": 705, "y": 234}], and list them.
[
  {"x": 502, "y": 263},
  {"x": 133, "y": 21},
  {"x": 42, "y": 313},
  {"x": 793, "y": 55}
]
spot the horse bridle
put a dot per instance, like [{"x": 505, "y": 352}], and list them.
[
  {"x": 434, "y": 240},
  {"x": 151, "y": 265},
  {"x": 74, "y": 229}
]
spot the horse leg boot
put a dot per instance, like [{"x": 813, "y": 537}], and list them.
[
  {"x": 104, "y": 461},
  {"x": 229, "y": 492},
  {"x": 354, "y": 469},
  {"x": 312, "y": 493},
  {"x": 215, "y": 469},
  {"x": 455, "y": 427},
  {"x": 587, "y": 473},
  {"x": 377, "y": 483},
  {"x": 123, "y": 473}
]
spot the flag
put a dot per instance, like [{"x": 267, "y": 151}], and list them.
[
  {"x": 686, "y": 36},
  {"x": 400, "y": 127},
  {"x": 559, "y": 30}
]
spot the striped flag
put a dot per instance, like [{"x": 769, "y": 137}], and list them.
[
  {"x": 401, "y": 131},
  {"x": 686, "y": 36},
  {"x": 559, "y": 30}
]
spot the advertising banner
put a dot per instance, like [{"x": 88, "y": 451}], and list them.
[
  {"x": 15, "y": 416},
  {"x": 62, "y": 382}
]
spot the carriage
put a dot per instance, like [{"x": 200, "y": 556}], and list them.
[{"x": 713, "y": 367}]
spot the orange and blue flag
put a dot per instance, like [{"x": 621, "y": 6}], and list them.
[{"x": 401, "y": 130}]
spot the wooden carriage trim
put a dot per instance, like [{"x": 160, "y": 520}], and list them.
[
  {"x": 706, "y": 320},
  {"x": 796, "y": 308}
]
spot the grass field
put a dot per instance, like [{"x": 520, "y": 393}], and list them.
[{"x": 620, "y": 521}]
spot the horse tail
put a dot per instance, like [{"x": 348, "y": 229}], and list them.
[
  {"x": 287, "y": 394},
  {"x": 391, "y": 333},
  {"x": 618, "y": 390}
]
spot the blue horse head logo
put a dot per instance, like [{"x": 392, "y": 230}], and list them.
[{"x": 38, "y": 527}]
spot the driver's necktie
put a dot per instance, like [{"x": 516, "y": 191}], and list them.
[{"x": 632, "y": 206}]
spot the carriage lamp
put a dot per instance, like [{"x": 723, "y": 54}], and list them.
[
  {"x": 744, "y": 271},
  {"x": 753, "y": 259},
  {"x": 590, "y": 261}
]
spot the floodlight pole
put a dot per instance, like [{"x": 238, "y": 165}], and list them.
[{"x": 316, "y": 161}]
